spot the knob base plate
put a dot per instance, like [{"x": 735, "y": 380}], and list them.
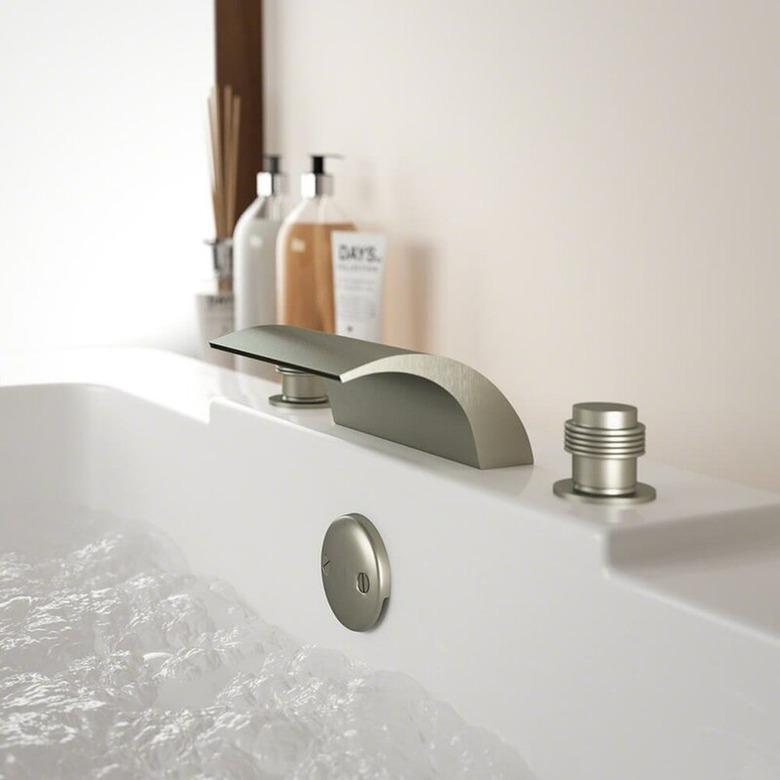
[
  {"x": 564, "y": 488},
  {"x": 287, "y": 403}
]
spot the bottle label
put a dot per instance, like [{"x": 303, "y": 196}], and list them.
[{"x": 358, "y": 283}]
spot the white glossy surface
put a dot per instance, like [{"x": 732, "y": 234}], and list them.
[{"x": 640, "y": 643}]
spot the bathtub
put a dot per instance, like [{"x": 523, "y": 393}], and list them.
[{"x": 611, "y": 644}]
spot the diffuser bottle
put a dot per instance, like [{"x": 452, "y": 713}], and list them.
[
  {"x": 254, "y": 248},
  {"x": 304, "y": 270},
  {"x": 214, "y": 307}
]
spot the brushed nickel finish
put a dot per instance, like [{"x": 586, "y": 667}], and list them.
[
  {"x": 427, "y": 402},
  {"x": 605, "y": 440},
  {"x": 355, "y": 572},
  {"x": 564, "y": 488},
  {"x": 300, "y": 390}
]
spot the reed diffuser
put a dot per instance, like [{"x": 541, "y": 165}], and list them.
[
  {"x": 224, "y": 112},
  {"x": 215, "y": 308}
]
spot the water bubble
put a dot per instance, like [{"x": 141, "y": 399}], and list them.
[{"x": 117, "y": 663}]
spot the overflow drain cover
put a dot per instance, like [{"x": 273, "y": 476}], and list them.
[{"x": 355, "y": 571}]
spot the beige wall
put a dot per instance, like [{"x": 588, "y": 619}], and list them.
[{"x": 582, "y": 197}]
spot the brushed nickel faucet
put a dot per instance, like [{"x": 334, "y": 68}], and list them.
[
  {"x": 604, "y": 440},
  {"x": 427, "y": 402}
]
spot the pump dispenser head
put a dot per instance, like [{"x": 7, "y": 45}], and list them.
[
  {"x": 317, "y": 182},
  {"x": 271, "y": 180}
]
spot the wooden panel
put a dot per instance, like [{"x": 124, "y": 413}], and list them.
[{"x": 239, "y": 63}]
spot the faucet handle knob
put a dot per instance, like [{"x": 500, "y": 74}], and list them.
[{"x": 604, "y": 440}]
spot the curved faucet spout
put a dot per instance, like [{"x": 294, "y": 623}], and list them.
[{"x": 427, "y": 402}]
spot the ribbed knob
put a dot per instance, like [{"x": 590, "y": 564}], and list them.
[{"x": 604, "y": 439}]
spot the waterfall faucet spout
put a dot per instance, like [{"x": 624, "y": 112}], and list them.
[{"x": 427, "y": 402}]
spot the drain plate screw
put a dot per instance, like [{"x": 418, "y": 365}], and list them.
[{"x": 362, "y": 582}]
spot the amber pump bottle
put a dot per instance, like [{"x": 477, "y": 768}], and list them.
[{"x": 304, "y": 271}]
